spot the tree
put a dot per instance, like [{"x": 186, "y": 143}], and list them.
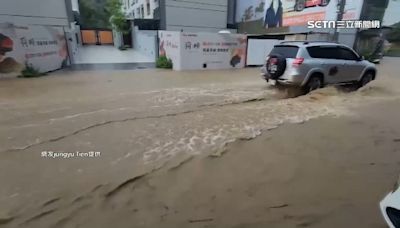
[
  {"x": 93, "y": 17},
  {"x": 394, "y": 34},
  {"x": 87, "y": 15},
  {"x": 117, "y": 17}
]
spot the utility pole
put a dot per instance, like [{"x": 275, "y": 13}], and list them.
[{"x": 341, "y": 6}]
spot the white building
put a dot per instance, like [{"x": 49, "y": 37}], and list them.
[
  {"x": 140, "y": 9},
  {"x": 188, "y": 15},
  {"x": 195, "y": 15}
]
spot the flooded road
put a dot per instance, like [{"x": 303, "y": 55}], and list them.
[{"x": 137, "y": 122}]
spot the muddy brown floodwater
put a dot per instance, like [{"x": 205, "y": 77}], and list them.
[{"x": 160, "y": 135}]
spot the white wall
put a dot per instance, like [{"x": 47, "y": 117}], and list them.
[
  {"x": 319, "y": 37},
  {"x": 73, "y": 37},
  {"x": 145, "y": 42},
  {"x": 347, "y": 37},
  {"x": 196, "y": 15},
  {"x": 48, "y": 55},
  {"x": 170, "y": 46},
  {"x": 117, "y": 37},
  {"x": 40, "y": 12},
  {"x": 203, "y": 50},
  {"x": 258, "y": 50}
]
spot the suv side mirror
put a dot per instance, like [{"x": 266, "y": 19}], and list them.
[{"x": 361, "y": 58}]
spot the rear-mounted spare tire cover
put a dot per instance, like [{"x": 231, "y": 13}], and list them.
[{"x": 276, "y": 66}]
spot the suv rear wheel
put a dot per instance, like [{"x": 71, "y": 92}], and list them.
[
  {"x": 367, "y": 78},
  {"x": 314, "y": 83}
]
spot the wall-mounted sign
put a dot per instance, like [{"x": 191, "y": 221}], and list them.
[
  {"x": 265, "y": 14},
  {"x": 193, "y": 51},
  {"x": 43, "y": 47}
]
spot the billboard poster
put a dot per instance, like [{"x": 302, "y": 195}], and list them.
[
  {"x": 169, "y": 46},
  {"x": 267, "y": 14},
  {"x": 11, "y": 55},
  {"x": 213, "y": 51},
  {"x": 43, "y": 47},
  {"x": 195, "y": 51}
]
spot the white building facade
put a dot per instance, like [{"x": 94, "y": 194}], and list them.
[
  {"x": 196, "y": 15},
  {"x": 35, "y": 12},
  {"x": 140, "y": 9},
  {"x": 178, "y": 15}
]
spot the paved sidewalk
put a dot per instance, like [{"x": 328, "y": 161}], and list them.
[
  {"x": 109, "y": 54},
  {"x": 110, "y": 66}
]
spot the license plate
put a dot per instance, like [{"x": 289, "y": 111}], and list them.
[
  {"x": 272, "y": 82},
  {"x": 273, "y": 68}
]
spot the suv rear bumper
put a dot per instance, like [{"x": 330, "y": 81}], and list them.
[{"x": 285, "y": 79}]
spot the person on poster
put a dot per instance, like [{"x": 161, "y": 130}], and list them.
[
  {"x": 7, "y": 64},
  {"x": 273, "y": 14}
]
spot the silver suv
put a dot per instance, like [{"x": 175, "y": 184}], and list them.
[{"x": 312, "y": 65}]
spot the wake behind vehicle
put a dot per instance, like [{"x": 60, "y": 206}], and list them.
[{"x": 313, "y": 65}]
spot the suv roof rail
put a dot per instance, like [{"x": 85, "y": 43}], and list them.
[{"x": 308, "y": 41}]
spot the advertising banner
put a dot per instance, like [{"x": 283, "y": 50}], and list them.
[
  {"x": 195, "y": 51},
  {"x": 43, "y": 47},
  {"x": 169, "y": 46},
  {"x": 284, "y": 13},
  {"x": 213, "y": 51},
  {"x": 11, "y": 54}
]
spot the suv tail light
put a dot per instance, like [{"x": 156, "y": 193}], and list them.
[{"x": 298, "y": 61}]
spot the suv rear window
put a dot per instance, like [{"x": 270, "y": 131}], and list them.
[
  {"x": 331, "y": 52},
  {"x": 324, "y": 52},
  {"x": 346, "y": 54},
  {"x": 286, "y": 51}
]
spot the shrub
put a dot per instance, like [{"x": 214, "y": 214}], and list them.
[
  {"x": 30, "y": 72},
  {"x": 164, "y": 62},
  {"x": 123, "y": 47}
]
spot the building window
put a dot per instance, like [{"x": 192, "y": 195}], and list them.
[
  {"x": 148, "y": 7},
  {"x": 142, "y": 11},
  {"x": 138, "y": 12}
]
